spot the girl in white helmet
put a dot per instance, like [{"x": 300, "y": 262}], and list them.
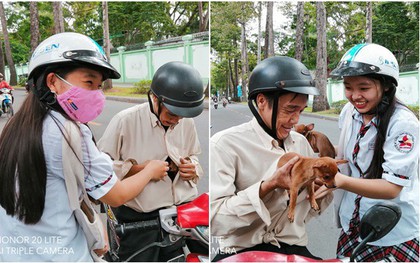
[
  {"x": 66, "y": 72},
  {"x": 379, "y": 138}
]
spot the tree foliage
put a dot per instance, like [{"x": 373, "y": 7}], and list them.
[
  {"x": 395, "y": 25},
  {"x": 401, "y": 33},
  {"x": 226, "y": 20},
  {"x": 131, "y": 23}
]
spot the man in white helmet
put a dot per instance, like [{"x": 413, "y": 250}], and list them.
[{"x": 379, "y": 138}]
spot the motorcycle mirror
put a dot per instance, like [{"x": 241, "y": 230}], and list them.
[{"x": 378, "y": 221}]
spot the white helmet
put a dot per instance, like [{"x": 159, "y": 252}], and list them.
[
  {"x": 363, "y": 59},
  {"x": 69, "y": 48}
]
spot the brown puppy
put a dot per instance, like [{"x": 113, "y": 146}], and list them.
[
  {"x": 304, "y": 173},
  {"x": 318, "y": 141}
]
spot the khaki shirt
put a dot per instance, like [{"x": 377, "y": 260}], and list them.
[
  {"x": 241, "y": 158},
  {"x": 135, "y": 135}
]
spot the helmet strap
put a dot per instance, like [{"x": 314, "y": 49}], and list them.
[
  {"x": 44, "y": 94},
  {"x": 274, "y": 115},
  {"x": 151, "y": 107},
  {"x": 272, "y": 132}
]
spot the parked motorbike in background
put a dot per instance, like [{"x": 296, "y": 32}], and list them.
[
  {"x": 188, "y": 222},
  {"x": 378, "y": 221},
  {"x": 6, "y": 102}
]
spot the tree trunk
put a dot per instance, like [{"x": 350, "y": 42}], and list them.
[
  {"x": 58, "y": 17},
  {"x": 321, "y": 102},
  {"x": 259, "y": 31},
  {"x": 236, "y": 70},
  {"x": 266, "y": 36},
  {"x": 231, "y": 78},
  {"x": 244, "y": 60},
  {"x": 7, "y": 49},
  {"x": 204, "y": 18},
  {"x": 1, "y": 58},
  {"x": 368, "y": 22},
  {"x": 107, "y": 45},
  {"x": 269, "y": 30},
  {"x": 299, "y": 31},
  {"x": 33, "y": 10}
]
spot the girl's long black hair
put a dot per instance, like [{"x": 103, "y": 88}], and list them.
[
  {"x": 23, "y": 171},
  {"x": 384, "y": 112}
]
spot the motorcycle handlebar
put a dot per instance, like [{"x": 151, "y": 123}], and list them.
[{"x": 122, "y": 229}]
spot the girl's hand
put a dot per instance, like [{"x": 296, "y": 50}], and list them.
[
  {"x": 323, "y": 191},
  {"x": 157, "y": 169}
]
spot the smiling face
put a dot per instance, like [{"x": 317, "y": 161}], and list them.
[
  {"x": 290, "y": 106},
  {"x": 364, "y": 93},
  {"x": 81, "y": 77}
]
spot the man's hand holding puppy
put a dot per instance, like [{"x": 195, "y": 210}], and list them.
[{"x": 280, "y": 179}]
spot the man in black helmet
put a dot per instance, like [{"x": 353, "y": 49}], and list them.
[
  {"x": 161, "y": 129},
  {"x": 249, "y": 198}
]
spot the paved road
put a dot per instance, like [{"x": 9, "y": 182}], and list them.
[
  {"x": 112, "y": 107},
  {"x": 321, "y": 232}
]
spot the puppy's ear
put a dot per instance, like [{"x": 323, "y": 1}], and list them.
[
  {"x": 300, "y": 128},
  {"x": 340, "y": 161},
  {"x": 310, "y": 127},
  {"x": 319, "y": 164}
]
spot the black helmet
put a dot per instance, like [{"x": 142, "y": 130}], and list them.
[
  {"x": 278, "y": 75},
  {"x": 281, "y": 74},
  {"x": 180, "y": 88}
]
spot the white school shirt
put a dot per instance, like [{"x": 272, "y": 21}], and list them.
[
  {"x": 401, "y": 154},
  {"x": 241, "y": 158},
  {"x": 57, "y": 236},
  {"x": 135, "y": 135}
]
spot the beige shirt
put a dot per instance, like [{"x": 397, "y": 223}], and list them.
[
  {"x": 135, "y": 135},
  {"x": 241, "y": 158}
]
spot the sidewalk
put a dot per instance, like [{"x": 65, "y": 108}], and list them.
[
  {"x": 141, "y": 100},
  {"x": 309, "y": 114},
  {"x": 319, "y": 116}
]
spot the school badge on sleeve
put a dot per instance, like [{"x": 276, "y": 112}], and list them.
[{"x": 404, "y": 142}]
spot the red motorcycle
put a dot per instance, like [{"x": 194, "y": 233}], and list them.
[
  {"x": 378, "y": 221},
  {"x": 188, "y": 222}
]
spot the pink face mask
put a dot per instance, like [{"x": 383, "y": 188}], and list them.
[{"x": 81, "y": 104}]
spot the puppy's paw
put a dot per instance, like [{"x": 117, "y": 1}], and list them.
[
  {"x": 315, "y": 206},
  {"x": 291, "y": 217}
]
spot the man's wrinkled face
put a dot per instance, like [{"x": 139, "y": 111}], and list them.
[
  {"x": 290, "y": 106},
  {"x": 166, "y": 117}
]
